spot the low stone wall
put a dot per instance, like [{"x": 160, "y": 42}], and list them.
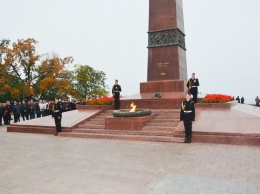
[
  {"x": 216, "y": 105},
  {"x": 103, "y": 108}
]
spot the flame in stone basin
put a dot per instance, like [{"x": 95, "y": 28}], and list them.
[{"x": 133, "y": 107}]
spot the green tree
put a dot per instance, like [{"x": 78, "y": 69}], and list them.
[
  {"x": 88, "y": 83},
  {"x": 4, "y": 95},
  {"x": 3, "y": 43}
]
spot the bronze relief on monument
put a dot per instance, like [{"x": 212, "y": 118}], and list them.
[{"x": 166, "y": 38}]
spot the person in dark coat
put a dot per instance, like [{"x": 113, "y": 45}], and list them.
[
  {"x": 238, "y": 99},
  {"x": 187, "y": 115},
  {"x": 242, "y": 100},
  {"x": 16, "y": 112},
  {"x": 73, "y": 105},
  {"x": 25, "y": 110},
  {"x": 116, "y": 93},
  {"x": 7, "y": 113},
  {"x": 31, "y": 109},
  {"x": 37, "y": 109},
  {"x": 1, "y": 113},
  {"x": 192, "y": 86},
  {"x": 257, "y": 101},
  {"x": 57, "y": 115},
  {"x": 66, "y": 106}
]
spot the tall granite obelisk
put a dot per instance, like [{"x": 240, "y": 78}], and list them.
[
  {"x": 166, "y": 47},
  {"x": 167, "y": 68}
]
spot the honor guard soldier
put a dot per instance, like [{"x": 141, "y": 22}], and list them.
[
  {"x": 187, "y": 115},
  {"x": 192, "y": 86},
  {"x": 116, "y": 93},
  {"x": 57, "y": 115}
]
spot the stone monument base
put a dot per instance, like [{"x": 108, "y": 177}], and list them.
[
  {"x": 154, "y": 103},
  {"x": 162, "y": 86},
  {"x": 165, "y": 94},
  {"x": 126, "y": 123}
]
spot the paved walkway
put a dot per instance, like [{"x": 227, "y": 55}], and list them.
[
  {"x": 240, "y": 119},
  {"x": 69, "y": 119},
  {"x": 253, "y": 110},
  {"x": 35, "y": 163}
]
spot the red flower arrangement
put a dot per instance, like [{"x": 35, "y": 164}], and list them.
[
  {"x": 217, "y": 98},
  {"x": 100, "y": 101}
]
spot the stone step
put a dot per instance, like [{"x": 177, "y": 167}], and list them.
[
  {"x": 98, "y": 118},
  {"x": 126, "y": 132},
  {"x": 123, "y": 137},
  {"x": 95, "y": 122},
  {"x": 165, "y": 111},
  {"x": 89, "y": 126},
  {"x": 168, "y": 116},
  {"x": 156, "y": 120},
  {"x": 105, "y": 114},
  {"x": 102, "y": 117},
  {"x": 109, "y": 111},
  {"x": 158, "y": 128},
  {"x": 165, "y": 124}
]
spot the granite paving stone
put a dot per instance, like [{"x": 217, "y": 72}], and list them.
[{"x": 40, "y": 164}]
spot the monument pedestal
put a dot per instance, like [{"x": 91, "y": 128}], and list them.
[
  {"x": 127, "y": 123},
  {"x": 162, "y": 86}
]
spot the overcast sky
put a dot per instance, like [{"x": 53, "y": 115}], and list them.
[{"x": 222, "y": 39}]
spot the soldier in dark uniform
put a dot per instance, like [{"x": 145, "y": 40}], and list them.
[
  {"x": 116, "y": 93},
  {"x": 57, "y": 115},
  {"x": 192, "y": 86},
  {"x": 187, "y": 115}
]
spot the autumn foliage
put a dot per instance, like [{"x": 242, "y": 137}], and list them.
[
  {"x": 217, "y": 98},
  {"x": 23, "y": 72}
]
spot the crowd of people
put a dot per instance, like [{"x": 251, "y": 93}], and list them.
[{"x": 30, "y": 110}]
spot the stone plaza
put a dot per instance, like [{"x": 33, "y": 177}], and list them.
[
  {"x": 36, "y": 162},
  {"x": 40, "y": 163}
]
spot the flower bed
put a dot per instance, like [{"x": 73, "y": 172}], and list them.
[
  {"x": 100, "y": 101},
  {"x": 216, "y": 101},
  {"x": 217, "y": 98}
]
